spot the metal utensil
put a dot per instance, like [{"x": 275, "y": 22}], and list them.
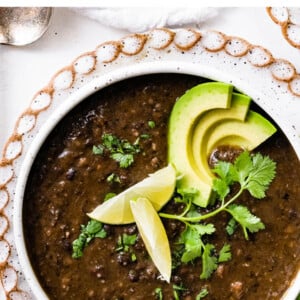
[{"x": 23, "y": 25}]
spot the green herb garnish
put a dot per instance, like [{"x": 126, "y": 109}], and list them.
[
  {"x": 177, "y": 290},
  {"x": 119, "y": 150},
  {"x": 203, "y": 293},
  {"x": 124, "y": 243},
  {"x": 126, "y": 240},
  {"x": 158, "y": 293},
  {"x": 231, "y": 226},
  {"x": 88, "y": 232},
  {"x": 253, "y": 173},
  {"x": 109, "y": 196},
  {"x": 113, "y": 178},
  {"x": 151, "y": 124}
]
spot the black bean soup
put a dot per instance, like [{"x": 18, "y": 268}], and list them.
[{"x": 68, "y": 180}]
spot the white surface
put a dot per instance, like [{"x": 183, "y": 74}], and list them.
[
  {"x": 25, "y": 70},
  {"x": 155, "y": 17}
]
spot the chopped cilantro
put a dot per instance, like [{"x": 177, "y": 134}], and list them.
[
  {"x": 99, "y": 150},
  {"x": 119, "y": 150},
  {"x": 124, "y": 159},
  {"x": 133, "y": 257},
  {"x": 88, "y": 232},
  {"x": 109, "y": 196},
  {"x": 145, "y": 136},
  {"x": 151, "y": 124},
  {"x": 129, "y": 239},
  {"x": 177, "y": 290},
  {"x": 158, "y": 293},
  {"x": 203, "y": 293},
  {"x": 113, "y": 178},
  {"x": 126, "y": 240}
]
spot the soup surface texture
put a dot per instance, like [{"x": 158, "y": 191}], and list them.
[{"x": 68, "y": 180}]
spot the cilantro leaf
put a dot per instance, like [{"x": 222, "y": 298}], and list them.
[
  {"x": 225, "y": 253},
  {"x": 99, "y": 150},
  {"x": 177, "y": 290},
  {"x": 121, "y": 151},
  {"x": 255, "y": 173},
  {"x": 124, "y": 160},
  {"x": 224, "y": 169},
  {"x": 158, "y": 293},
  {"x": 261, "y": 175},
  {"x": 221, "y": 187},
  {"x": 92, "y": 227},
  {"x": 193, "y": 212},
  {"x": 231, "y": 226},
  {"x": 192, "y": 244},
  {"x": 204, "y": 228},
  {"x": 113, "y": 178},
  {"x": 191, "y": 238},
  {"x": 109, "y": 196},
  {"x": 187, "y": 195},
  {"x": 242, "y": 167},
  {"x": 226, "y": 175},
  {"x": 248, "y": 221},
  {"x": 203, "y": 293},
  {"x": 126, "y": 240},
  {"x": 209, "y": 261},
  {"x": 88, "y": 232},
  {"x": 129, "y": 239},
  {"x": 151, "y": 124},
  {"x": 111, "y": 142}
]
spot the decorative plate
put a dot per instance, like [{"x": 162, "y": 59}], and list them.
[
  {"x": 273, "y": 83},
  {"x": 288, "y": 18}
]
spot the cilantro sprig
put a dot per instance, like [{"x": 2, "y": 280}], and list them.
[{"x": 253, "y": 173}]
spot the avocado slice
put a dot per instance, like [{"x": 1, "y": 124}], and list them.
[
  {"x": 206, "y": 124},
  {"x": 184, "y": 116},
  {"x": 249, "y": 134}
]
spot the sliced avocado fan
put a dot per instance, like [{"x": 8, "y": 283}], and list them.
[{"x": 205, "y": 117}]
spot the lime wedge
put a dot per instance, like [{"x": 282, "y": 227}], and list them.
[
  {"x": 153, "y": 234},
  {"x": 158, "y": 187}
]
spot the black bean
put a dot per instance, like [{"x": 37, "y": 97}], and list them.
[
  {"x": 98, "y": 270},
  {"x": 124, "y": 258},
  {"x": 133, "y": 275},
  {"x": 108, "y": 229},
  {"x": 67, "y": 245},
  {"x": 131, "y": 229},
  {"x": 70, "y": 174}
]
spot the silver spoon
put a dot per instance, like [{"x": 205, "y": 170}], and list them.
[{"x": 23, "y": 25}]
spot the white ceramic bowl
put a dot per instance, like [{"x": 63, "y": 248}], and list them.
[{"x": 187, "y": 53}]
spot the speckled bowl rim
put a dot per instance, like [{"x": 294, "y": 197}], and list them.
[{"x": 139, "y": 63}]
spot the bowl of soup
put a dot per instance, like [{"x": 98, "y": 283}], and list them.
[{"x": 106, "y": 138}]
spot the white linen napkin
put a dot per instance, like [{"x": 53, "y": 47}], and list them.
[{"x": 142, "y": 19}]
